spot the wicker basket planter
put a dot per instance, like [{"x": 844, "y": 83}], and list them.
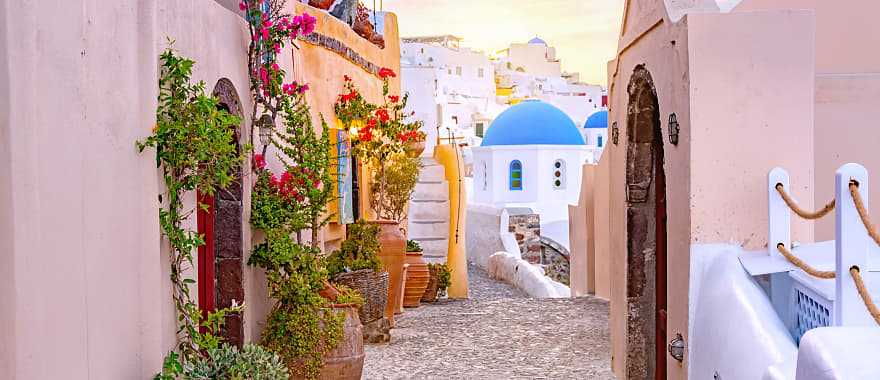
[{"x": 373, "y": 286}]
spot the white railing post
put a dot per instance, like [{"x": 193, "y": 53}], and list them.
[
  {"x": 779, "y": 217},
  {"x": 852, "y": 247}
]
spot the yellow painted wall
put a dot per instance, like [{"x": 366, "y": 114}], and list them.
[{"x": 450, "y": 157}]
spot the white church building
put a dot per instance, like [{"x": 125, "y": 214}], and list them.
[{"x": 532, "y": 156}]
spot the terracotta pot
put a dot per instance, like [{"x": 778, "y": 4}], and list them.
[
  {"x": 417, "y": 279},
  {"x": 392, "y": 256},
  {"x": 329, "y": 292},
  {"x": 416, "y": 148},
  {"x": 363, "y": 28},
  {"x": 321, "y": 4},
  {"x": 346, "y": 361},
  {"x": 403, "y": 293},
  {"x": 431, "y": 292}
]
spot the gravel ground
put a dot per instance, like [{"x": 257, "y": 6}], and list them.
[{"x": 499, "y": 333}]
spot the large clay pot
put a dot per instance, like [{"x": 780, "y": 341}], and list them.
[
  {"x": 417, "y": 278},
  {"x": 346, "y": 361},
  {"x": 392, "y": 256}
]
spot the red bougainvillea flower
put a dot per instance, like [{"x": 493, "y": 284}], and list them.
[
  {"x": 265, "y": 33},
  {"x": 273, "y": 180},
  {"x": 259, "y": 161},
  {"x": 382, "y": 114},
  {"x": 386, "y": 73},
  {"x": 267, "y": 23},
  {"x": 372, "y": 123},
  {"x": 303, "y": 88},
  {"x": 394, "y": 99}
]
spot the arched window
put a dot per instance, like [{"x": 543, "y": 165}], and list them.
[
  {"x": 559, "y": 174},
  {"x": 599, "y": 141},
  {"x": 516, "y": 178}
]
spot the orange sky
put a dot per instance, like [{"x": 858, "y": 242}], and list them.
[{"x": 584, "y": 32}]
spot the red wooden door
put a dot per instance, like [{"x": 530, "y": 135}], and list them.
[
  {"x": 660, "y": 269},
  {"x": 205, "y": 220}
]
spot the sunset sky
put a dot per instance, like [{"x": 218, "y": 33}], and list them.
[{"x": 584, "y": 32}]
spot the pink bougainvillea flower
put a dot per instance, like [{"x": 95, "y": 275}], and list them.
[
  {"x": 259, "y": 161},
  {"x": 243, "y": 6},
  {"x": 266, "y": 93},
  {"x": 277, "y": 48},
  {"x": 297, "y": 21},
  {"x": 267, "y": 23},
  {"x": 303, "y": 88},
  {"x": 265, "y": 33},
  {"x": 308, "y": 23},
  {"x": 264, "y": 75},
  {"x": 275, "y": 67}
]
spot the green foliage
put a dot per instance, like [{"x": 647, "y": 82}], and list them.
[
  {"x": 196, "y": 149},
  {"x": 413, "y": 246},
  {"x": 227, "y": 363},
  {"x": 293, "y": 271},
  {"x": 349, "y": 296},
  {"x": 443, "y": 275},
  {"x": 399, "y": 179},
  {"x": 359, "y": 251},
  {"x": 302, "y": 333}
]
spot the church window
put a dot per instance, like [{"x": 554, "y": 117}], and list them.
[
  {"x": 485, "y": 177},
  {"x": 516, "y": 175},
  {"x": 559, "y": 175},
  {"x": 599, "y": 141},
  {"x": 479, "y": 130}
]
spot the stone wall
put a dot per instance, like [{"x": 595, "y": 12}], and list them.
[{"x": 527, "y": 230}]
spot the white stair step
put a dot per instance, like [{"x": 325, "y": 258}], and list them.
[
  {"x": 434, "y": 248},
  {"x": 429, "y": 210},
  {"x": 431, "y": 191},
  {"x": 432, "y": 173},
  {"x": 434, "y": 229}
]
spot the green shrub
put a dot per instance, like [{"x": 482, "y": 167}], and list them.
[{"x": 359, "y": 251}]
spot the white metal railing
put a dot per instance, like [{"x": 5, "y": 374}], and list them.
[{"x": 809, "y": 305}]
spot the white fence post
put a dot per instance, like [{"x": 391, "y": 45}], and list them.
[
  {"x": 779, "y": 218},
  {"x": 852, "y": 248}
]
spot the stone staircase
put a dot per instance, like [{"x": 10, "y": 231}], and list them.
[{"x": 429, "y": 212}]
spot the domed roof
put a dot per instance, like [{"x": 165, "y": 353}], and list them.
[
  {"x": 597, "y": 120},
  {"x": 537, "y": 41},
  {"x": 532, "y": 122}
]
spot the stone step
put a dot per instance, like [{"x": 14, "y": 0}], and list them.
[
  {"x": 428, "y": 161},
  {"x": 426, "y": 230},
  {"x": 431, "y": 192},
  {"x": 429, "y": 210},
  {"x": 434, "y": 248},
  {"x": 432, "y": 173}
]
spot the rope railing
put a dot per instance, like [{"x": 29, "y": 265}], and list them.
[
  {"x": 810, "y": 215},
  {"x": 863, "y": 292},
  {"x": 863, "y": 212},
  {"x": 803, "y": 265}
]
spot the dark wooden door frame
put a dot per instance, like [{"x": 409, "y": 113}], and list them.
[{"x": 646, "y": 232}]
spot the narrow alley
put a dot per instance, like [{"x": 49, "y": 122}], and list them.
[{"x": 499, "y": 333}]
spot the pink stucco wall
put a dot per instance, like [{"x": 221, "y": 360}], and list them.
[
  {"x": 722, "y": 75},
  {"x": 83, "y": 269}
]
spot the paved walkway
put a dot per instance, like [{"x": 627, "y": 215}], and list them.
[{"x": 499, "y": 333}]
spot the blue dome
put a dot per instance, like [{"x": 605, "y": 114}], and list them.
[
  {"x": 537, "y": 41},
  {"x": 597, "y": 120},
  {"x": 533, "y": 122}
]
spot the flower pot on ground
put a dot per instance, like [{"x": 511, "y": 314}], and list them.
[
  {"x": 416, "y": 148},
  {"x": 346, "y": 361},
  {"x": 417, "y": 276},
  {"x": 392, "y": 255},
  {"x": 356, "y": 265},
  {"x": 438, "y": 282},
  {"x": 416, "y": 279}
]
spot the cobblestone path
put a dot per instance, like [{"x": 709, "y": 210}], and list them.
[{"x": 499, "y": 333}]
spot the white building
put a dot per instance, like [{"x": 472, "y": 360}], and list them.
[
  {"x": 596, "y": 131},
  {"x": 450, "y": 87},
  {"x": 532, "y": 71},
  {"x": 531, "y": 157}
]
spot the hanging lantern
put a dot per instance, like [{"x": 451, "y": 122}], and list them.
[
  {"x": 266, "y": 126},
  {"x": 673, "y": 129}
]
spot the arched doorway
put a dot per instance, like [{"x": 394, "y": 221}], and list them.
[
  {"x": 221, "y": 259},
  {"x": 646, "y": 231}
]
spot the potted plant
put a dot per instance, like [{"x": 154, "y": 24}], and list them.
[
  {"x": 379, "y": 133},
  {"x": 417, "y": 275},
  {"x": 356, "y": 265},
  {"x": 438, "y": 283}
]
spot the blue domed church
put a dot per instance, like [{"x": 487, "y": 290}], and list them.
[{"x": 531, "y": 156}]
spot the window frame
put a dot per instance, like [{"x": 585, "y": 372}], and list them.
[{"x": 510, "y": 174}]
